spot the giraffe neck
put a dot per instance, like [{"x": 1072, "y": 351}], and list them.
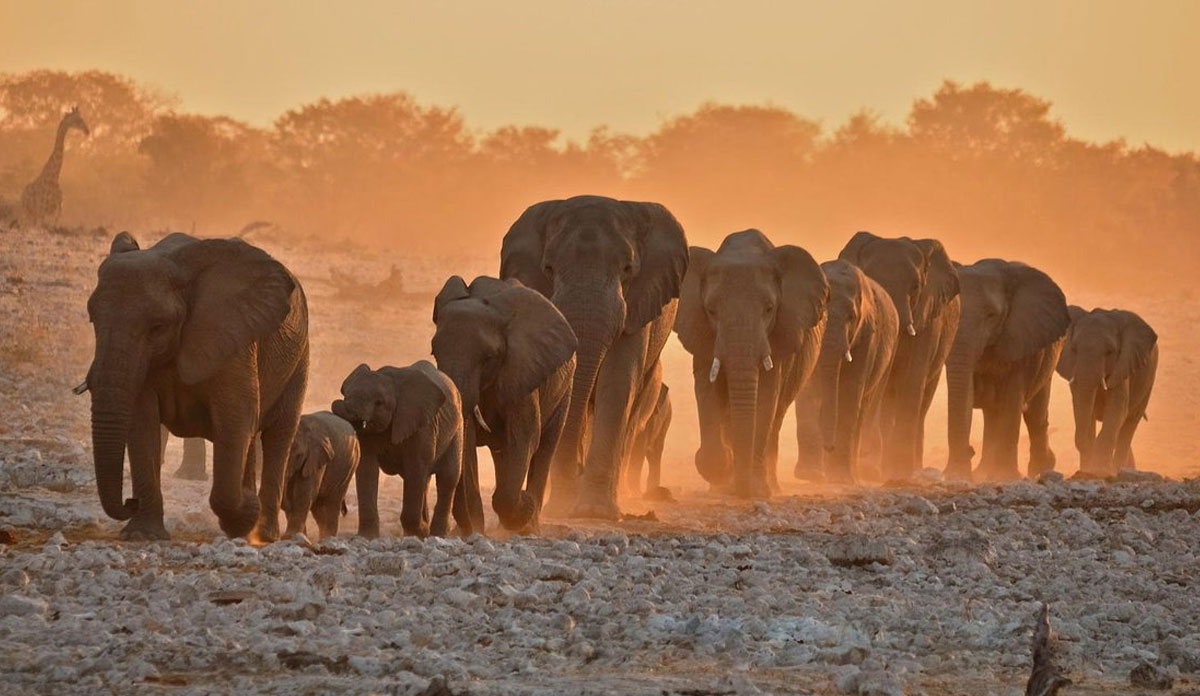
[{"x": 54, "y": 164}]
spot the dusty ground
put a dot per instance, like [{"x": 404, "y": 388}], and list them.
[{"x": 826, "y": 590}]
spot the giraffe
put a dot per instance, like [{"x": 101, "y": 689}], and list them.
[{"x": 42, "y": 198}]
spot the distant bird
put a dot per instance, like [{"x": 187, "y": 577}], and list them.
[{"x": 42, "y": 198}]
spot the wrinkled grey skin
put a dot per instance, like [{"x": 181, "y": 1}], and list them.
[
  {"x": 839, "y": 406},
  {"x": 324, "y": 456},
  {"x": 1014, "y": 322},
  {"x": 650, "y": 422},
  {"x": 752, "y": 315},
  {"x": 918, "y": 276},
  {"x": 512, "y": 355},
  {"x": 1110, "y": 359},
  {"x": 613, "y": 269},
  {"x": 191, "y": 466},
  {"x": 208, "y": 337},
  {"x": 409, "y": 423}
]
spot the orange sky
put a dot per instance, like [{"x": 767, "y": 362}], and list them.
[{"x": 1112, "y": 69}]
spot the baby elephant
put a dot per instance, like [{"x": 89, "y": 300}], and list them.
[
  {"x": 1110, "y": 359},
  {"x": 324, "y": 456},
  {"x": 409, "y": 423}
]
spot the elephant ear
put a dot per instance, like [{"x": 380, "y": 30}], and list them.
[
  {"x": 853, "y": 250},
  {"x": 1066, "y": 362},
  {"x": 803, "y": 294},
  {"x": 1037, "y": 314},
  {"x": 523, "y": 246},
  {"x": 539, "y": 341},
  {"x": 418, "y": 400},
  {"x": 1137, "y": 341},
  {"x": 663, "y": 261},
  {"x": 454, "y": 289},
  {"x": 237, "y": 294},
  {"x": 691, "y": 322},
  {"x": 122, "y": 243},
  {"x": 941, "y": 278}
]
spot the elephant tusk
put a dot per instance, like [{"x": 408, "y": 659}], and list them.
[
  {"x": 1104, "y": 382},
  {"x": 767, "y": 364},
  {"x": 479, "y": 419},
  {"x": 363, "y": 425},
  {"x": 912, "y": 330},
  {"x": 81, "y": 388},
  {"x": 714, "y": 370},
  {"x": 849, "y": 357}
]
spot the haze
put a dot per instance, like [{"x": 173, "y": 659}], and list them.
[{"x": 1112, "y": 69}]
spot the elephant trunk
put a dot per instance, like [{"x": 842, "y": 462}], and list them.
[
  {"x": 596, "y": 314},
  {"x": 829, "y": 367},
  {"x": 960, "y": 382},
  {"x": 111, "y": 418},
  {"x": 743, "y": 415}
]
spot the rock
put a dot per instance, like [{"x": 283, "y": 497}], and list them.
[
  {"x": 916, "y": 505},
  {"x": 1183, "y": 654},
  {"x": 879, "y": 683},
  {"x": 1051, "y": 478},
  {"x": 1148, "y": 675},
  {"x": 20, "y": 605},
  {"x": 858, "y": 550}
]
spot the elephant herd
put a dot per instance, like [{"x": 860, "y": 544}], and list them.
[{"x": 554, "y": 366}]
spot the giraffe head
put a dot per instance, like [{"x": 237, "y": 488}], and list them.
[{"x": 72, "y": 119}]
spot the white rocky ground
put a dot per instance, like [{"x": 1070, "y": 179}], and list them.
[{"x": 931, "y": 589}]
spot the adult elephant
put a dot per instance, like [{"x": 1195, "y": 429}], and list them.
[
  {"x": 841, "y": 403},
  {"x": 208, "y": 337},
  {"x": 1110, "y": 358},
  {"x": 752, "y": 315},
  {"x": 1014, "y": 319},
  {"x": 923, "y": 284},
  {"x": 613, "y": 268},
  {"x": 512, "y": 356}
]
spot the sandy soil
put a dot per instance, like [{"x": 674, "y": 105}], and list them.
[{"x": 930, "y": 589}]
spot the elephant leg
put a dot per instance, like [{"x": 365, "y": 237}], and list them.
[
  {"x": 713, "y": 458},
  {"x": 654, "y": 450},
  {"x": 276, "y": 438},
  {"x": 566, "y": 470},
  {"x": 810, "y": 456},
  {"x": 448, "y": 472},
  {"x": 145, "y": 465},
  {"x": 1037, "y": 422},
  {"x": 366, "y": 484},
  {"x": 302, "y": 497},
  {"x": 927, "y": 392},
  {"x": 849, "y": 425},
  {"x": 543, "y": 457},
  {"x": 236, "y": 507},
  {"x": 616, "y": 388},
  {"x": 412, "y": 512},
  {"x": 191, "y": 468},
  {"x": 871, "y": 439},
  {"x": 1104, "y": 458},
  {"x": 632, "y": 476},
  {"x": 1002, "y": 431},
  {"x": 904, "y": 400}
]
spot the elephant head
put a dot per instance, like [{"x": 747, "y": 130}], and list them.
[
  {"x": 396, "y": 402},
  {"x": 1010, "y": 311},
  {"x": 185, "y": 305},
  {"x": 740, "y": 309},
  {"x": 609, "y": 266},
  {"x": 846, "y": 312},
  {"x": 917, "y": 274},
  {"x": 499, "y": 341}
]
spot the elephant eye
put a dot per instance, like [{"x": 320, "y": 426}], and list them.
[
  {"x": 548, "y": 269},
  {"x": 769, "y": 308},
  {"x": 628, "y": 269}
]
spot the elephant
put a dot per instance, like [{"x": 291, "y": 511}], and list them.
[
  {"x": 324, "y": 457},
  {"x": 512, "y": 355},
  {"x": 1110, "y": 358},
  {"x": 613, "y": 268},
  {"x": 649, "y": 433},
  {"x": 1014, "y": 322},
  {"x": 843, "y": 398},
  {"x": 208, "y": 337},
  {"x": 409, "y": 423},
  {"x": 752, "y": 315},
  {"x": 923, "y": 284},
  {"x": 191, "y": 467}
]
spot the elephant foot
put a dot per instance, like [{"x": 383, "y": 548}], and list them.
[
  {"x": 659, "y": 494},
  {"x": 596, "y": 507},
  {"x": 808, "y": 472},
  {"x": 958, "y": 472},
  {"x": 840, "y": 476},
  {"x": 1005, "y": 475},
  {"x": 190, "y": 473},
  {"x": 754, "y": 489},
  {"x": 559, "y": 505},
  {"x": 265, "y": 532},
  {"x": 1041, "y": 464},
  {"x": 368, "y": 532},
  {"x": 145, "y": 529}
]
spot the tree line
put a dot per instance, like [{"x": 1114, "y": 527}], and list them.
[{"x": 988, "y": 170}]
